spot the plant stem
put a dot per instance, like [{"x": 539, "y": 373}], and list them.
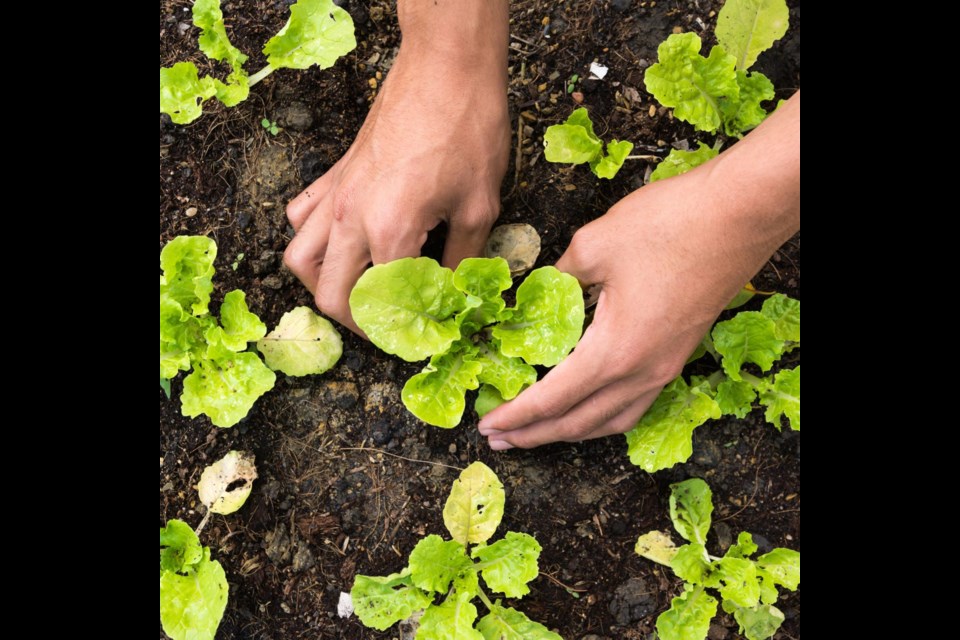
[
  {"x": 647, "y": 158},
  {"x": 752, "y": 379},
  {"x": 484, "y": 599},
  {"x": 716, "y": 378},
  {"x": 260, "y": 75}
]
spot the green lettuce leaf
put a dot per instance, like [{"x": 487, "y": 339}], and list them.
[
  {"x": 213, "y": 39},
  {"x": 691, "y": 507},
  {"x": 689, "y": 563},
  {"x": 381, "y": 602},
  {"x": 759, "y": 622},
  {"x": 406, "y": 307},
  {"x": 735, "y": 397},
  {"x": 744, "y": 548},
  {"x": 436, "y": 395},
  {"x": 747, "y": 28},
  {"x": 227, "y": 391},
  {"x": 317, "y": 33},
  {"x": 180, "y": 547},
  {"x": 689, "y": 615},
  {"x": 785, "y": 313},
  {"x": 656, "y": 546},
  {"x": 488, "y": 399},
  {"x": 744, "y": 113},
  {"x": 504, "y": 623},
  {"x": 747, "y": 337},
  {"x": 691, "y": 84},
  {"x": 783, "y": 565},
  {"x": 182, "y": 92},
  {"x": 508, "y": 375},
  {"x": 781, "y": 397},
  {"x": 608, "y": 165},
  {"x": 736, "y": 579},
  {"x": 572, "y": 142},
  {"x": 482, "y": 280},
  {"x": 679, "y": 162},
  {"x": 435, "y": 562},
  {"x": 192, "y": 605},
  {"x": 302, "y": 344},
  {"x": 509, "y": 564},
  {"x": 239, "y": 326},
  {"x": 547, "y": 320},
  {"x": 187, "y": 265},
  {"x": 474, "y": 509},
  {"x": 452, "y": 620},
  {"x": 664, "y": 435}
]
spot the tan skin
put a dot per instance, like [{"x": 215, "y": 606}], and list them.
[{"x": 668, "y": 256}]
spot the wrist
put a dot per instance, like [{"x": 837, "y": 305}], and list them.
[{"x": 464, "y": 36}]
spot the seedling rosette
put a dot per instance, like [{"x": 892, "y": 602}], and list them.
[{"x": 416, "y": 309}]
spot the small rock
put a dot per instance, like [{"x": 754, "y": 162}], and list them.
[
  {"x": 633, "y": 600},
  {"x": 244, "y": 219},
  {"x": 352, "y": 360},
  {"x": 296, "y": 116},
  {"x": 378, "y": 397},
  {"x": 266, "y": 263},
  {"x": 272, "y": 281},
  {"x": 276, "y": 544},
  {"x": 577, "y": 97},
  {"x": 452, "y": 448},
  {"x": 763, "y": 544},
  {"x": 518, "y": 244},
  {"x": 718, "y": 632},
  {"x": 707, "y": 454},
  {"x": 190, "y": 212},
  {"x": 302, "y": 557},
  {"x": 724, "y": 535}
]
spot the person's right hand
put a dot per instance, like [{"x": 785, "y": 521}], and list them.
[{"x": 433, "y": 149}]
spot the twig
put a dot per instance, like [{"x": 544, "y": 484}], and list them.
[{"x": 393, "y": 455}]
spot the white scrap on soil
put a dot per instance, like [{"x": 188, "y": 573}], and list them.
[
  {"x": 598, "y": 70},
  {"x": 345, "y": 605}
]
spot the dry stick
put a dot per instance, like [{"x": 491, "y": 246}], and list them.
[
  {"x": 393, "y": 455},
  {"x": 554, "y": 580}
]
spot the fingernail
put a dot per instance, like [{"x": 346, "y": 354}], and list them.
[{"x": 500, "y": 445}]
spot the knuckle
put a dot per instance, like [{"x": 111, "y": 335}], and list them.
[
  {"x": 296, "y": 257},
  {"x": 332, "y": 306}
]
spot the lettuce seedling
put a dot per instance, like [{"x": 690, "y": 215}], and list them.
[
  {"x": 747, "y": 587},
  {"x": 317, "y": 33},
  {"x": 718, "y": 92},
  {"x": 452, "y": 569},
  {"x": 664, "y": 435},
  {"x": 574, "y": 142},
  {"x": 193, "y": 588},
  {"x": 416, "y": 309},
  {"x": 226, "y": 378}
]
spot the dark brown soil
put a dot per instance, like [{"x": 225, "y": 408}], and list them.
[{"x": 349, "y": 481}]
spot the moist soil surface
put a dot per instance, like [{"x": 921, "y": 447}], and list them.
[{"x": 349, "y": 481}]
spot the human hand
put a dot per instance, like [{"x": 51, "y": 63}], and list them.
[
  {"x": 669, "y": 257},
  {"x": 433, "y": 149}
]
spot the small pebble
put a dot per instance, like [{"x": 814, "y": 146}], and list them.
[
  {"x": 372, "y": 82},
  {"x": 190, "y": 212},
  {"x": 653, "y": 111}
]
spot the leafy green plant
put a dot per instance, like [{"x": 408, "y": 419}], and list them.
[
  {"x": 225, "y": 379},
  {"x": 572, "y": 82},
  {"x": 193, "y": 588},
  {"x": 270, "y": 126},
  {"x": 574, "y": 142},
  {"x": 664, "y": 435},
  {"x": 416, "y": 309},
  {"x": 678, "y": 161},
  {"x": 747, "y": 587},
  {"x": 717, "y": 92},
  {"x": 317, "y": 33},
  {"x": 452, "y": 569}
]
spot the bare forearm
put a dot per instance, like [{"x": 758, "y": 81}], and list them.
[
  {"x": 757, "y": 183},
  {"x": 470, "y": 33}
]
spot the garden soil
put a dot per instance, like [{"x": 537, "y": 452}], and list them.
[{"x": 349, "y": 481}]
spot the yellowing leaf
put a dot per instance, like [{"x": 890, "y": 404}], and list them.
[
  {"x": 656, "y": 546},
  {"x": 475, "y": 506},
  {"x": 302, "y": 344},
  {"x": 219, "y": 489}
]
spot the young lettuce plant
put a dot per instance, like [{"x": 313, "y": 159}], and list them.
[
  {"x": 574, "y": 142},
  {"x": 317, "y": 33},
  {"x": 664, "y": 435},
  {"x": 451, "y": 570},
  {"x": 226, "y": 378},
  {"x": 416, "y": 309},
  {"x": 717, "y": 93},
  {"x": 747, "y": 587},
  {"x": 193, "y": 588}
]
